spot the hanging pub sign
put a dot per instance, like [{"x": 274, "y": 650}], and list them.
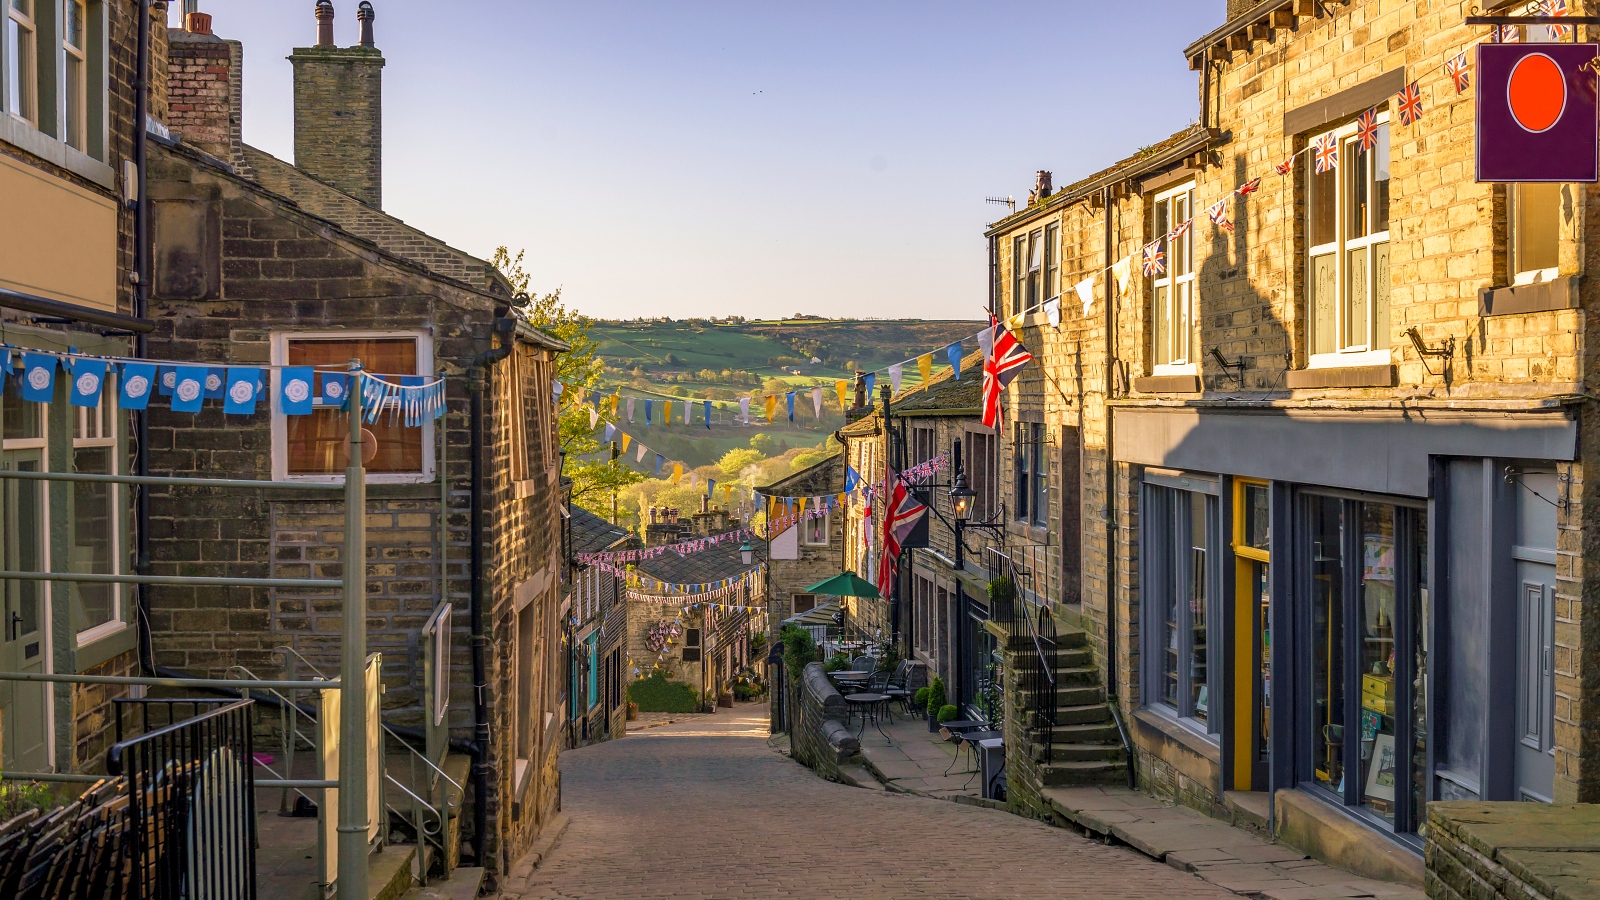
[{"x": 1538, "y": 117}]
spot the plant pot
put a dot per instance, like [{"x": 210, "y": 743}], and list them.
[{"x": 933, "y": 722}]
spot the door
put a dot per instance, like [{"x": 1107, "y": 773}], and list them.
[
  {"x": 1536, "y": 686},
  {"x": 23, "y": 646}
]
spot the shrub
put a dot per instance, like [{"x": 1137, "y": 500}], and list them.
[
  {"x": 948, "y": 713},
  {"x": 919, "y": 700},
  {"x": 936, "y": 695},
  {"x": 799, "y": 648},
  {"x": 18, "y": 797},
  {"x": 839, "y": 663},
  {"x": 657, "y": 694}
]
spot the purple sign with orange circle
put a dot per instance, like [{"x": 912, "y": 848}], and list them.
[{"x": 1538, "y": 115}]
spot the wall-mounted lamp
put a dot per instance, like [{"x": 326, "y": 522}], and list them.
[
  {"x": 1229, "y": 367},
  {"x": 1446, "y": 350}
]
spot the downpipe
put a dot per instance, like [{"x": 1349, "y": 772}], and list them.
[{"x": 141, "y": 292}]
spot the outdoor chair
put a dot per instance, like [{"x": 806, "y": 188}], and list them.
[
  {"x": 864, "y": 664},
  {"x": 896, "y": 686}
]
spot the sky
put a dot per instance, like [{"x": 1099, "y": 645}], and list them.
[{"x": 694, "y": 158}]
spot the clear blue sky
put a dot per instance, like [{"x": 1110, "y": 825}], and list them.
[{"x": 740, "y": 158}]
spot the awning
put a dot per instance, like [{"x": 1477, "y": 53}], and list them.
[{"x": 845, "y": 584}]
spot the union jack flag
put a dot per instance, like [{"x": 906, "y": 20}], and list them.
[
  {"x": 1219, "y": 214},
  {"x": 1249, "y": 187},
  {"x": 1410, "y": 103},
  {"x": 1510, "y": 34},
  {"x": 899, "y": 519},
  {"x": 1460, "y": 72},
  {"x": 1155, "y": 262},
  {"x": 1004, "y": 362},
  {"x": 1181, "y": 230},
  {"x": 1367, "y": 130},
  {"x": 1286, "y": 166},
  {"x": 1555, "y": 8},
  {"x": 1326, "y": 149}
]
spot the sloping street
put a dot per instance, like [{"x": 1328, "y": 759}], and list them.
[{"x": 705, "y": 809}]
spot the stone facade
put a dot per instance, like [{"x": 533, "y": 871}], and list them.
[
  {"x": 1109, "y": 383},
  {"x": 795, "y": 563},
  {"x": 1503, "y": 851}
]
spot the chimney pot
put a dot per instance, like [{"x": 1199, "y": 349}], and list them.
[
  {"x": 367, "y": 15},
  {"x": 1041, "y": 183},
  {"x": 325, "y": 23},
  {"x": 197, "y": 23}
]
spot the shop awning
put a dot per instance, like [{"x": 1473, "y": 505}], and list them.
[{"x": 845, "y": 584}]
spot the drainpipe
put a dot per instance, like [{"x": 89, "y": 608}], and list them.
[
  {"x": 1111, "y": 466},
  {"x": 476, "y": 378},
  {"x": 141, "y": 293}
]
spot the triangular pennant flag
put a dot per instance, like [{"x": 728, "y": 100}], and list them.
[
  {"x": 611, "y": 433},
  {"x": 640, "y": 458},
  {"x": 594, "y": 418},
  {"x": 744, "y": 410},
  {"x": 842, "y": 388},
  {"x": 925, "y": 367},
  {"x": 772, "y": 407},
  {"x": 660, "y": 461},
  {"x": 954, "y": 353},
  {"x": 38, "y": 377},
  {"x": 626, "y": 440},
  {"x": 630, "y": 410},
  {"x": 666, "y": 413},
  {"x": 1123, "y": 271},
  {"x": 896, "y": 373},
  {"x": 1052, "y": 312},
  {"x": 789, "y": 398},
  {"x": 986, "y": 342},
  {"x": 1085, "y": 290},
  {"x": 816, "y": 401},
  {"x": 137, "y": 380},
  {"x": 708, "y": 414},
  {"x": 872, "y": 379},
  {"x": 241, "y": 391},
  {"x": 677, "y": 472},
  {"x": 649, "y": 405}
]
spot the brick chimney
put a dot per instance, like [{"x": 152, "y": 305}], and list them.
[
  {"x": 1235, "y": 7},
  {"x": 338, "y": 108},
  {"x": 205, "y": 89}
]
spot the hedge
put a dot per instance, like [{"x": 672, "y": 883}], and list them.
[{"x": 657, "y": 694}]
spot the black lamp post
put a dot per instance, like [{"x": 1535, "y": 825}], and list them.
[{"x": 962, "y": 498}]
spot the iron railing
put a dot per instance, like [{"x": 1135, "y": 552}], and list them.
[
  {"x": 191, "y": 798},
  {"x": 1036, "y": 673}
]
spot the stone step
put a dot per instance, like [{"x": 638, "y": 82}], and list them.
[
  {"x": 1079, "y": 695},
  {"x": 1087, "y": 714},
  {"x": 1082, "y": 752},
  {"x": 1082, "y": 733},
  {"x": 1061, "y": 774},
  {"x": 463, "y": 884}
]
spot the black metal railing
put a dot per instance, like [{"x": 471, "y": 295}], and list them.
[
  {"x": 191, "y": 797},
  {"x": 79, "y": 851},
  {"x": 1033, "y": 623}
]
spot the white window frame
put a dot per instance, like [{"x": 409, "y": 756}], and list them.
[
  {"x": 74, "y": 56},
  {"x": 1185, "y": 285},
  {"x": 1352, "y": 353},
  {"x": 29, "y": 93},
  {"x": 827, "y": 531},
  {"x": 108, "y": 414},
  {"x": 280, "y": 422}
]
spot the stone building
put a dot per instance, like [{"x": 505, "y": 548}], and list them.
[
  {"x": 1329, "y": 579},
  {"x": 266, "y": 263},
  {"x": 807, "y": 551},
  {"x": 69, "y": 189},
  {"x": 597, "y": 624}
]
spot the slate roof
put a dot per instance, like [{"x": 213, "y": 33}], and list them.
[
  {"x": 714, "y": 564},
  {"x": 592, "y": 534},
  {"x": 945, "y": 392},
  {"x": 820, "y": 480}
]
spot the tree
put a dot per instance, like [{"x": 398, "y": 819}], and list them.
[
  {"x": 735, "y": 461},
  {"x": 594, "y": 476}
]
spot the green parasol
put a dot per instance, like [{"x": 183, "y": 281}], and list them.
[{"x": 845, "y": 584}]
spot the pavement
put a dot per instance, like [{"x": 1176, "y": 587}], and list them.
[
  {"x": 914, "y": 760},
  {"x": 706, "y": 809}
]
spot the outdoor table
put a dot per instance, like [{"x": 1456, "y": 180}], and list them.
[
  {"x": 949, "y": 730},
  {"x": 966, "y": 737},
  {"x": 869, "y": 704},
  {"x": 851, "y": 678}
]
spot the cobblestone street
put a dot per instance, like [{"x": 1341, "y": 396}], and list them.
[{"x": 705, "y": 809}]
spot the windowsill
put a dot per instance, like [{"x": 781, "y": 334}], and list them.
[
  {"x": 21, "y": 134},
  {"x": 1166, "y": 371},
  {"x": 1187, "y": 732},
  {"x": 1520, "y": 299},
  {"x": 1350, "y": 360},
  {"x": 94, "y": 649},
  {"x": 1167, "y": 384},
  {"x": 1380, "y": 376},
  {"x": 1023, "y": 528}
]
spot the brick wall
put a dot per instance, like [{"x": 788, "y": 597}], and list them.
[
  {"x": 203, "y": 88},
  {"x": 94, "y": 712}
]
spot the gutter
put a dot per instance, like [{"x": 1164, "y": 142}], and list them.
[
  {"x": 141, "y": 294},
  {"x": 477, "y": 374}
]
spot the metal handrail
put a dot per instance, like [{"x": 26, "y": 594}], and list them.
[
  {"x": 132, "y": 680},
  {"x": 114, "y": 755},
  {"x": 174, "y": 580},
  {"x": 163, "y": 481}
]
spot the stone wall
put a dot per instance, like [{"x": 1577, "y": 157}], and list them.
[
  {"x": 1512, "y": 851},
  {"x": 818, "y": 737}
]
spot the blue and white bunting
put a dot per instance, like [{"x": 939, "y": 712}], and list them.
[
  {"x": 168, "y": 382},
  {"x": 335, "y": 389},
  {"x": 38, "y": 377},
  {"x": 88, "y": 378},
  {"x": 240, "y": 398},
  {"x": 189, "y": 389},
  {"x": 216, "y": 383},
  {"x": 138, "y": 382},
  {"x": 295, "y": 391}
]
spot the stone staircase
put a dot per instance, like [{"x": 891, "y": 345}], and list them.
[{"x": 1084, "y": 747}]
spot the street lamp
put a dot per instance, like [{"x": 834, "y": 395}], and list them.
[
  {"x": 961, "y": 497},
  {"x": 747, "y": 553}
]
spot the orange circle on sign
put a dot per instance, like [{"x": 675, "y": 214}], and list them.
[{"x": 1537, "y": 92}]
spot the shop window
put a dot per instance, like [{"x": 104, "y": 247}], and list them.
[
  {"x": 1367, "y": 593},
  {"x": 1182, "y": 632},
  {"x": 1031, "y": 474},
  {"x": 1174, "y": 330},
  {"x": 1252, "y": 634},
  {"x": 316, "y": 446},
  {"x": 1348, "y": 274}
]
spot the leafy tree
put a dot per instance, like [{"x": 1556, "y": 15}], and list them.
[
  {"x": 738, "y": 459},
  {"x": 763, "y": 444},
  {"x": 594, "y": 476}
]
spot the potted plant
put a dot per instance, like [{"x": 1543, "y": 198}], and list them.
[
  {"x": 919, "y": 700},
  {"x": 935, "y": 701},
  {"x": 948, "y": 713}
]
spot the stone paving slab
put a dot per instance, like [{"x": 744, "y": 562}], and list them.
[{"x": 1230, "y": 858}]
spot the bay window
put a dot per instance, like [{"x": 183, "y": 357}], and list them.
[
  {"x": 1175, "y": 337},
  {"x": 1348, "y": 262},
  {"x": 316, "y": 446}
]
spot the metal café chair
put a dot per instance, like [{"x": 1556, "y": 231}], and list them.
[{"x": 896, "y": 686}]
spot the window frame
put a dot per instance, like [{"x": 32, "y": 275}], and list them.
[
  {"x": 1052, "y": 261},
  {"x": 110, "y": 420},
  {"x": 1030, "y": 474},
  {"x": 74, "y": 131},
  {"x": 1165, "y": 324},
  {"x": 1347, "y": 351},
  {"x": 982, "y": 475},
  {"x": 27, "y": 69},
  {"x": 1019, "y": 271},
  {"x": 1166, "y": 515},
  {"x": 280, "y": 421},
  {"x": 827, "y": 531}
]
